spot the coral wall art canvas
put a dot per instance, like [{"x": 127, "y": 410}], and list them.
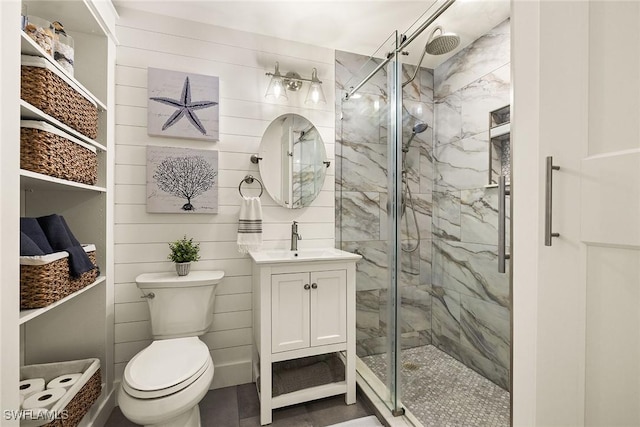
[
  {"x": 182, "y": 105},
  {"x": 182, "y": 180}
]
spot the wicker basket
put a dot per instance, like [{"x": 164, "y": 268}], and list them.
[
  {"x": 45, "y": 279},
  {"x": 47, "y": 89},
  {"x": 47, "y": 150},
  {"x": 75, "y": 405}
]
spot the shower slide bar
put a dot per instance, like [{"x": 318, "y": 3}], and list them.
[{"x": 406, "y": 41}]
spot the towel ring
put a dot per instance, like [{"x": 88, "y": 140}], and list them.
[{"x": 249, "y": 180}]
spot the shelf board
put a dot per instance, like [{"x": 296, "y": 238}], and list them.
[
  {"x": 29, "y": 112},
  {"x": 77, "y": 15},
  {"x": 38, "y": 181},
  {"x": 26, "y": 315},
  {"x": 500, "y": 130},
  {"x": 496, "y": 185},
  {"x": 30, "y": 47}
]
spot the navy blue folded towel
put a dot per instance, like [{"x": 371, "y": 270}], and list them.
[
  {"x": 56, "y": 232},
  {"x": 62, "y": 239},
  {"x": 28, "y": 247},
  {"x": 79, "y": 261},
  {"x": 31, "y": 228}
]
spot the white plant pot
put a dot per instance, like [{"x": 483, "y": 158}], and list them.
[{"x": 183, "y": 268}]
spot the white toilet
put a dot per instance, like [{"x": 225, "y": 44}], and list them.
[{"x": 163, "y": 384}]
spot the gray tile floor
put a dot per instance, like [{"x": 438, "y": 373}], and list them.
[
  {"x": 441, "y": 391},
  {"x": 238, "y": 406}
]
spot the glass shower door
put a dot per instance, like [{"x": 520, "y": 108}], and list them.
[{"x": 367, "y": 158}]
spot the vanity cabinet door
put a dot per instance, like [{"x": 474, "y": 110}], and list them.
[
  {"x": 328, "y": 307},
  {"x": 289, "y": 311}
]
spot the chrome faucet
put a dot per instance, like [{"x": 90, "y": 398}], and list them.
[{"x": 295, "y": 236}]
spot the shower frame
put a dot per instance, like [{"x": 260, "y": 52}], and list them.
[{"x": 394, "y": 186}]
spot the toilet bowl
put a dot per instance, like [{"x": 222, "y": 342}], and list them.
[{"x": 163, "y": 384}]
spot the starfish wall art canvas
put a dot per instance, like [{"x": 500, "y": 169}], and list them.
[{"x": 182, "y": 105}]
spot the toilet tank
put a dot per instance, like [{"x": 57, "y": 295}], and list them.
[{"x": 181, "y": 306}]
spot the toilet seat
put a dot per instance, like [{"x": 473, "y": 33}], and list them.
[{"x": 166, "y": 367}]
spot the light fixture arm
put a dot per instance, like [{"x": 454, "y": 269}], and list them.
[
  {"x": 292, "y": 81},
  {"x": 297, "y": 78}
]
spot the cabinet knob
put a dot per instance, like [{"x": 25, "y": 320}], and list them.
[
  {"x": 314, "y": 285},
  {"x": 307, "y": 286}
]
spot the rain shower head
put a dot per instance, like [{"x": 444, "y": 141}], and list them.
[
  {"x": 436, "y": 45},
  {"x": 418, "y": 128},
  {"x": 442, "y": 43}
]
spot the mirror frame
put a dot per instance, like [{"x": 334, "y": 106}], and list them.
[{"x": 293, "y": 161}]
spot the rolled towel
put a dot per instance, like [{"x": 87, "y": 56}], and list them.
[
  {"x": 31, "y": 227},
  {"x": 28, "y": 247}
]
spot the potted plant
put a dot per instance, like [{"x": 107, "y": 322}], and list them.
[{"x": 183, "y": 253}]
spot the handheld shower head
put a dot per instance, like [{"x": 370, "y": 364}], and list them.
[{"x": 418, "y": 128}]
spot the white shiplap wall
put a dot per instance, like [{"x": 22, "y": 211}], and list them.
[{"x": 240, "y": 59}]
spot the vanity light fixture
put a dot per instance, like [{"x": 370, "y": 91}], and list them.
[
  {"x": 276, "y": 89},
  {"x": 292, "y": 81}
]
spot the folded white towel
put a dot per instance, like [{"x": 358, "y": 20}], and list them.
[{"x": 250, "y": 225}]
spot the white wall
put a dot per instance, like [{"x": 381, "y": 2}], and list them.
[{"x": 240, "y": 59}]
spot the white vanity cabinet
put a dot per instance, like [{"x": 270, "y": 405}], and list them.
[
  {"x": 301, "y": 308},
  {"x": 308, "y": 309}
]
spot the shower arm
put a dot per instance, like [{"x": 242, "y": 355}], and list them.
[
  {"x": 404, "y": 44},
  {"x": 415, "y": 73}
]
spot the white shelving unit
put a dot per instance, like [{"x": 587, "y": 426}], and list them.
[
  {"x": 26, "y": 315},
  {"x": 80, "y": 325}
]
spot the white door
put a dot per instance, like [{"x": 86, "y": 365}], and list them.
[
  {"x": 289, "y": 311},
  {"x": 577, "y": 302},
  {"x": 328, "y": 307}
]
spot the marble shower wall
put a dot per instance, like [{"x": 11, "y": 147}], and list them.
[
  {"x": 471, "y": 301},
  {"x": 361, "y": 199},
  {"x": 452, "y": 295}
]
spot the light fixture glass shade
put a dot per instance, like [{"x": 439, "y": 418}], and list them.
[
  {"x": 276, "y": 89},
  {"x": 315, "y": 94}
]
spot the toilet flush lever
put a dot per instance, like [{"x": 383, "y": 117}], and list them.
[{"x": 150, "y": 295}]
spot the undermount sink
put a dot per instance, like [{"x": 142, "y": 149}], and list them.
[{"x": 317, "y": 254}]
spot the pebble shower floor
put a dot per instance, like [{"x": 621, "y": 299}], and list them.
[{"x": 440, "y": 391}]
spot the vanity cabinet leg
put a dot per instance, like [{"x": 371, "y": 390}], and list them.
[
  {"x": 350, "y": 377},
  {"x": 265, "y": 394}
]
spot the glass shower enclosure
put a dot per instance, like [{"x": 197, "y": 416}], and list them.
[{"x": 431, "y": 306}]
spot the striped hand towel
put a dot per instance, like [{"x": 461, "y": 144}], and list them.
[{"x": 250, "y": 225}]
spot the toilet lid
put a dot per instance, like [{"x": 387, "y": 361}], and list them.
[{"x": 166, "y": 363}]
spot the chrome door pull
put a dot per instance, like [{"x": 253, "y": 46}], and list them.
[
  {"x": 503, "y": 192},
  {"x": 548, "y": 213}
]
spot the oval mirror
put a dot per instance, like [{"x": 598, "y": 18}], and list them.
[{"x": 292, "y": 161}]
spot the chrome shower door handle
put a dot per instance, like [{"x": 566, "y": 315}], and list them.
[
  {"x": 548, "y": 196},
  {"x": 503, "y": 192}
]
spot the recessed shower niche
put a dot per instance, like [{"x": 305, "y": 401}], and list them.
[{"x": 500, "y": 144}]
